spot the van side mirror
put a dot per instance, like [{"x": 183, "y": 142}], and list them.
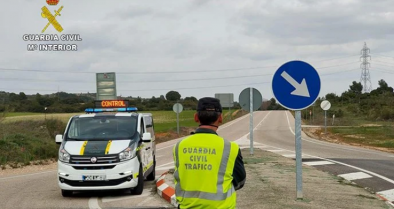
[
  {"x": 146, "y": 137},
  {"x": 59, "y": 139}
]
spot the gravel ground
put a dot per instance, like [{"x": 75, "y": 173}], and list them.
[{"x": 44, "y": 167}]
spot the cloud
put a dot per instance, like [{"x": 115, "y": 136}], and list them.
[
  {"x": 305, "y": 22},
  {"x": 160, "y": 37}
]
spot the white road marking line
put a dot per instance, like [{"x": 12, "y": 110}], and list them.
[
  {"x": 261, "y": 146},
  {"x": 159, "y": 155},
  {"x": 261, "y": 121},
  {"x": 276, "y": 150},
  {"x": 355, "y": 176},
  {"x": 350, "y": 166},
  {"x": 323, "y": 162},
  {"x": 166, "y": 147},
  {"x": 232, "y": 122},
  {"x": 165, "y": 168},
  {"x": 31, "y": 174},
  {"x": 145, "y": 193},
  {"x": 289, "y": 155},
  {"x": 165, "y": 164},
  {"x": 93, "y": 203},
  {"x": 247, "y": 147},
  {"x": 388, "y": 194},
  {"x": 144, "y": 201},
  {"x": 337, "y": 162},
  {"x": 244, "y": 139}
]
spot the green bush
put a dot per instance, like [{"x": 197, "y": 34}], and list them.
[
  {"x": 55, "y": 127},
  {"x": 387, "y": 113}
]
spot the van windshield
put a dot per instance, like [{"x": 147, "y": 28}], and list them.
[{"x": 102, "y": 128}]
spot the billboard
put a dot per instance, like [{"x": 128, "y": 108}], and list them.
[
  {"x": 226, "y": 100},
  {"x": 106, "y": 86}
]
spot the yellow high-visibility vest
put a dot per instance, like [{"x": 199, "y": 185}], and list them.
[{"x": 204, "y": 166}]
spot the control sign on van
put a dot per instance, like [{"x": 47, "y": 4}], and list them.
[{"x": 112, "y": 103}]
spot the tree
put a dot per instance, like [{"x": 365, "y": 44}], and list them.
[
  {"x": 331, "y": 97},
  {"x": 22, "y": 96},
  {"x": 274, "y": 106},
  {"x": 384, "y": 87},
  {"x": 193, "y": 99},
  {"x": 356, "y": 87},
  {"x": 173, "y": 96}
]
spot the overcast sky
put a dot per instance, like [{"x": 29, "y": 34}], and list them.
[{"x": 234, "y": 44}]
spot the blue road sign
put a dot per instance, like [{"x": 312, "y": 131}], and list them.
[{"x": 296, "y": 85}]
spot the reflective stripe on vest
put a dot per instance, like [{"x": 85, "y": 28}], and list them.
[{"x": 219, "y": 195}]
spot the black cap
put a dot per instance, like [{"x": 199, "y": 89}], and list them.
[{"x": 209, "y": 104}]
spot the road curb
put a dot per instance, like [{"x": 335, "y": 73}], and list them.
[{"x": 165, "y": 191}]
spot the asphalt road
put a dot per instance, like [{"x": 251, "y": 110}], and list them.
[
  {"x": 273, "y": 130},
  {"x": 367, "y": 168}
]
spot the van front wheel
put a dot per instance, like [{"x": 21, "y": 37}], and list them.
[{"x": 140, "y": 186}]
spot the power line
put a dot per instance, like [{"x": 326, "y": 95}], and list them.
[
  {"x": 161, "y": 89},
  {"x": 383, "y": 65},
  {"x": 133, "y": 90},
  {"x": 380, "y": 55},
  {"x": 158, "y": 81},
  {"x": 164, "y": 72},
  {"x": 383, "y": 70},
  {"x": 379, "y": 61},
  {"x": 134, "y": 73},
  {"x": 343, "y": 71},
  {"x": 337, "y": 65},
  {"x": 338, "y": 58},
  {"x": 152, "y": 81}
]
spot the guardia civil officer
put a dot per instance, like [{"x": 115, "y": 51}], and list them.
[{"x": 208, "y": 168}]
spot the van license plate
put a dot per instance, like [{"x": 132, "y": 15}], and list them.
[{"x": 93, "y": 177}]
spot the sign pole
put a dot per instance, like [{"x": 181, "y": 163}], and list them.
[
  {"x": 298, "y": 154},
  {"x": 325, "y": 121},
  {"x": 229, "y": 111},
  {"x": 251, "y": 121},
  {"x": 177, "y": 119}
]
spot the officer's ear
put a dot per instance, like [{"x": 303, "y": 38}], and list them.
[
  {"x": 196, "y": 119},
  {"x": 220, "y": 119}
]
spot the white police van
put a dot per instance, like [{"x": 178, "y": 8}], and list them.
[{"x": 110, "y": 147}]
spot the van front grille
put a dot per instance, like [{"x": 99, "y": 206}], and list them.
[{"x": 80, "y": 159}]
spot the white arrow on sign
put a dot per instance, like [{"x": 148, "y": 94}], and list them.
[{"x": 301, "y": 89}]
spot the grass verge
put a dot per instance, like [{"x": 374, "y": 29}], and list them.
[
  {"x": 22, "y": 142},
  {"x": 373, "y": 137},
  {"x": 379, "y": 136}
]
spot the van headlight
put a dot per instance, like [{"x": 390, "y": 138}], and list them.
[
  {"x": 127, "y": 154},
  {"x": 64, "y": 156}
]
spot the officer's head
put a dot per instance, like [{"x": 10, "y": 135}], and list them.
[{"x": 209, "y": 111}]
